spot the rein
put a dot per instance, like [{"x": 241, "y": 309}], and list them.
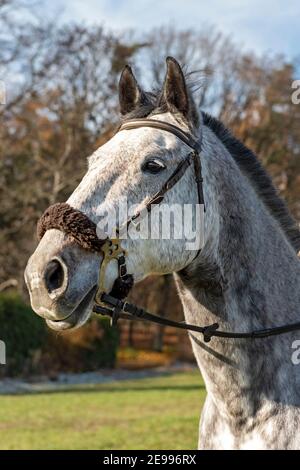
[{"x": 82, "y": 231}]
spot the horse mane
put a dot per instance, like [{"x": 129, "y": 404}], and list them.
[{"x": 259, "y": 178}]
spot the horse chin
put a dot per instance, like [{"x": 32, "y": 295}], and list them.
[{"x": 79, "y": 315}]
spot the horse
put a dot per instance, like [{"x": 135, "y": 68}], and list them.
[{"x": 245, "y": 276}]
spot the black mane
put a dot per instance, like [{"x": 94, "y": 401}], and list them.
[{"x": 251, "y": 166}]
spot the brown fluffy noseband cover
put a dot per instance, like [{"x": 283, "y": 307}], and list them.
[{"x": 73, "y": 223}]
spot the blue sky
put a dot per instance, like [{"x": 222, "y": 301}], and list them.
[{"x": 258, "y": 25}]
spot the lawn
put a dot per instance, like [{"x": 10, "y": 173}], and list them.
[{"x": 156, "y": 413}]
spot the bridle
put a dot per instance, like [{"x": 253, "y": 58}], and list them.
[
  {"x": 112, "y": 249},
  {"x": 82, "y": 230}
]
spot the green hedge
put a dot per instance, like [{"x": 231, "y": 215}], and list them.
[
  {"x": 31, "y": 347},
  {"x": 102, "y": 352},
  {"x": 22, "y": 331}
]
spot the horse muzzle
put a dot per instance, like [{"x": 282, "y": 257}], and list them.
[{"x": 61, "y": 280}]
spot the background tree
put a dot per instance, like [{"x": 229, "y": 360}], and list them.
[{"x": 61, "y": 82}]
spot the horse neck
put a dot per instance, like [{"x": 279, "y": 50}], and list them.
[{"x": 246, "y": 277}]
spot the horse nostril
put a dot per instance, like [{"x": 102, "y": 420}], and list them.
[{"x": 54, "y": 275}]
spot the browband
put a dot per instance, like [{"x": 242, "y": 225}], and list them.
[{"x": 163, "y": 126}]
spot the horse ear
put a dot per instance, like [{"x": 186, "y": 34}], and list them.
[
  {"x": 175, "y": 93},
  {"x": 130, "y": 94}
]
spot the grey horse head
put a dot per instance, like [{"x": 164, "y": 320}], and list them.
[{"x": 60, "y": 276}]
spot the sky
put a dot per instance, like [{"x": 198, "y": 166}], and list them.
[{"x": 256, "y": 25}]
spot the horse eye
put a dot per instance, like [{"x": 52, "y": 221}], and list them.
[{"x": 153, "y": 166}]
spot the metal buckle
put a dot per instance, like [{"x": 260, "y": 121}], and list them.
[{"x": 111, "y": 250}]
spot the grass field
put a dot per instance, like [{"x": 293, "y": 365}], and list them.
[{"x": 156, "y": 413}]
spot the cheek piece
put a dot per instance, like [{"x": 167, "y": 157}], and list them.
[{"x": 81, "y": 230}]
